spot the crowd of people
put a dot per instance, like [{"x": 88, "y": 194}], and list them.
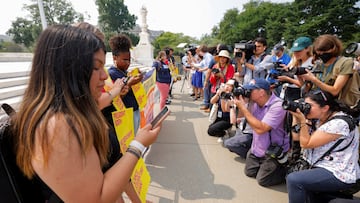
[{"x": 284, "y": 108}]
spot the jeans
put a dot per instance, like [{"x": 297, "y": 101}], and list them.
[
  {"x": 207, "y": 98},
  {"x": 302, "y": 185}
]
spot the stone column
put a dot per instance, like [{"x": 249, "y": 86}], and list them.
[{"x": 143, "y": 52}]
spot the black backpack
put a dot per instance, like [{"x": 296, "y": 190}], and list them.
[{"x": 15, "y": 186}]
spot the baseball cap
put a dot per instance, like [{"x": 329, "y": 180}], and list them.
[
  {"x": 301, "y": 43},
  {"x": 257, "y": 83},
  {"x": 278, "y": 47}
]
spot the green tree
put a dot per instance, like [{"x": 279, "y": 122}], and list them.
[
  {"x": 314, "y": 18},
  {"x": 114, "y": 16},
  {"x": 26, "y": 30},
  {"x": 168, "y": 39}
]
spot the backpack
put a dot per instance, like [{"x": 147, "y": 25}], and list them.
[
  {"x": 352, "y": 125},
  {"x": 15, "y": 186}
]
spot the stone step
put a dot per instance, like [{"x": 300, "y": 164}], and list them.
[
  {"x": 14, "y": 69},
  {"x": 9, "y": 82},
  {"x": 14, "y": 91}
]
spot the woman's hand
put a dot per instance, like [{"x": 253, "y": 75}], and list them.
[
  {"x": 147, "y": 135},
  {"x": 117, "y": 86},
  {"x": 299, "y": 116},
  {"x": 308, "y": 76}
]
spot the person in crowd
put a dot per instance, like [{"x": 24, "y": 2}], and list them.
[
  {"x": 170, "y": 62},
  {"x": 336, "y": 70},
  {"x": 205, "y": 69},
  {"x": 257, "y": 65},
  {"x": 186, "y": 63},
  {"x": 334, "y": 172},
  {"x": 266, "y": 118},
  {"x": 163, "y": 77},
  {"x": 61, "y": 130},
  {"x": 302, "y": 57},
  {"x": 357, "y": 63},
  {"x": 279, "y": 55},
  {"x": 222, "y": 123},
  {"x": 117, "y": 88},
  {"x": 120, "y": 46},
  {"x": 280, "y": 59},
  {"x": 221, "y": 72}
]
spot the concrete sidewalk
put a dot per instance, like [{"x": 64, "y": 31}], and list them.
[{"x": 187, "y": 165}]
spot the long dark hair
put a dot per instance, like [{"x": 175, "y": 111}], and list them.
[
  {"x": 325, "y": 98},
  {"x": 59, "y": 85}
]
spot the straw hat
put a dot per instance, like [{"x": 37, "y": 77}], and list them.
[{"x": 222, "y": 53}]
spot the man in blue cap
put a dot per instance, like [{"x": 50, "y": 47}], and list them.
[{"x": 267, "y": 156}]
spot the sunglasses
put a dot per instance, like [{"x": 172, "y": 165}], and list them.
[{"x": 321, "y": 93}]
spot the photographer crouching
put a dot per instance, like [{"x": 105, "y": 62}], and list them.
[
  {"x": 267, "y": 156},
  {"x": 221, "y": 98}
]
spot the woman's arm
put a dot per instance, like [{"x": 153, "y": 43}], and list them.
[{"x": 77, "y": 177}]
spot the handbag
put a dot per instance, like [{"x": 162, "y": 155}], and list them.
[{"x": 213, "y": 113}]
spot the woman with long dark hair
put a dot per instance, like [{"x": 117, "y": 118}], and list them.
[{"x": 61, "y": 135}]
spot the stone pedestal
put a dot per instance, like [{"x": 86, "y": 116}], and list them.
[{"x": 144, "y": 51}]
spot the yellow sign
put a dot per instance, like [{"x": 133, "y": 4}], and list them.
[
  {"x": 140, "y": 179},
  {"x": 138, "y": 90},
  {"x": 124, "y": 127}
]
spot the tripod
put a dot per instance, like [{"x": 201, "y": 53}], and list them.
[{"x": 183, "y": 81}]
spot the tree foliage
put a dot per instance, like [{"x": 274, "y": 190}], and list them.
[
  {"x": 114, "y": 16},
  {"x": 290, "y": 20},
  {"x": 168, "y": 39},
  {"x": 26, "y": 30}
]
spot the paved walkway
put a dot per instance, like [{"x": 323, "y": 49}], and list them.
[{"x": 187, "y": 165}]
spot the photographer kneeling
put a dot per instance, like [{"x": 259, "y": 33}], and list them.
[
  {"x": 331, "y": 150},
  {"x": 222, "y": 122},
  {"x": 267, "y": 156}
]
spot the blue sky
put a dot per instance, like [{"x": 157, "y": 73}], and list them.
[{"x": 191, "y": 17}]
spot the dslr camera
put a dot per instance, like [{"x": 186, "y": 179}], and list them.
[
  {"x": 276, "y": 152},
  {"x": 293, "y": 105},
  {"x": 278, "y": 70},
  {"x": 241, "y": 91},
  {"x": 247, "y": 47}
]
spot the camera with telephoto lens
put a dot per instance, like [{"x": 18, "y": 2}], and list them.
[
  {"x": 247, "y": 47},
  {"x": 241, "y": 91},
  {"x": 293, "y": 105},
  {"x": 278, "y": 70},
  {"x": 226, "y": 95},
  {"x": 276, "y": 152},
  {"x": 353, "y": 48}
]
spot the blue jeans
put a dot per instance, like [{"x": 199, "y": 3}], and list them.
[
  {"x": 206, "y": 101},
  {"x": 302, "y": 185}
]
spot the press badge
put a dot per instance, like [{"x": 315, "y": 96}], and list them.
[{"x": 219, "y": 114}]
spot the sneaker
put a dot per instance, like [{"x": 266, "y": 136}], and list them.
[
  {"x": 193, "y": 94},
  {"x": 204, "y": 108},
  {"x": 168, "y": 102},
  {"x": 220, "y": 140}
]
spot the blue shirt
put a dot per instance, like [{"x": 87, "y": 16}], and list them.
[
  {"x": 129, "y": 99},
  {"x": 284, "y": 59}
]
